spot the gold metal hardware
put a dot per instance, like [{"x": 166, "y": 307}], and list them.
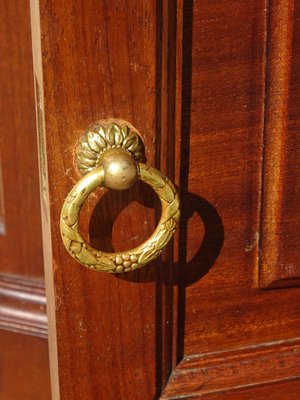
[{"x": 107, "y": 155}]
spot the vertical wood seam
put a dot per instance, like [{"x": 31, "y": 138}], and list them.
[{"x": 165, "y": 160}]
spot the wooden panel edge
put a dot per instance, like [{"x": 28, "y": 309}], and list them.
[
  {"x": 44, "y": 189},
  {"x": 272, "y": 390},
  {"x": 279, "y": 39},
  {"x": 23, "y": 306},
  {"x": 227, "y": 370},
  {"x": 167, "y": 122}
]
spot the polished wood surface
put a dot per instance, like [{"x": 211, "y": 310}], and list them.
[
  {"x": 280, "y": 239},
  {"x": 21, "y": 245},
  {"x": 220, "y": 179},
  {"x": 227, "y": 370},
  {"x": 197, "y": 80},
  {"x": 24, "y": 364},
  {"x": 23, "y": 306},
  {"x": 109, "y": 321},
  {"x": 275, "y": 391},
  {"x": 24, "y": 367},
  {"x": 2, "y": 213}
]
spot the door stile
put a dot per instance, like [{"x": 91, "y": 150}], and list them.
[{"x": 44, "y": 196}]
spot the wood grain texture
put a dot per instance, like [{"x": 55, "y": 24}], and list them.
[
  {"x": 243, "y": 367},
  {"x": 23, "y": 306},
  {"x": 44, "y": 197},
  {"x": 24, "y": 364},
  {"x": 222, "y": 127},
  {"x": 2, "y": 212},
  {"x": 24, "y": 370},
  {"x": 21, "y": 246},
  {"x": 191, "y": 77},
  {"x": 219, "y": 169},
  {"x": 103, "y": 60},
  {"x": 280, "y": 226},
  {"x": 277, "y": 391}
]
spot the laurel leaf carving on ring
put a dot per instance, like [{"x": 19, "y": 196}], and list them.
[
  {"x": 96, "y": 139},
  {"x": 126, "y": 261}
]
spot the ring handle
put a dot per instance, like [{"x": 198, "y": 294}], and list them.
[{"x": 107, "y": 156}]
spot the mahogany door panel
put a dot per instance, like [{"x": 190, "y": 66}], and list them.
[
  {"x": 277, "y": 391},
  {"x": 212, "y": 89},
  {"x": 225, "y": 143},
  {"x": 234, "y": 80},
  {"x": 24, "y": 364},
  {"x": 280, "y": 266},
  {"x": 21, "y": 241},
  {"x": 98, "y": 60},
  {"x": 24, "y": 372}
]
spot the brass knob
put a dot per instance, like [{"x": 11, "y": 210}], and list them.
[{"x": 108, "y": 155}]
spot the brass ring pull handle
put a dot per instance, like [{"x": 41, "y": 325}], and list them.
[{"x": 108, "y": 155}]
